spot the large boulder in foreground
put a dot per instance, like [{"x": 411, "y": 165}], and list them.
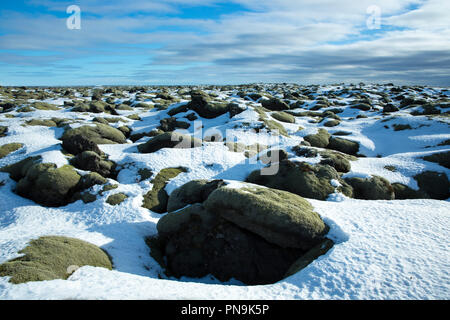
[
  {"x": 303, "y": 179},
  {"x": 169, "y": 140},
  {"x": 246, "y": 232},
  {"x": 266, "y": 212},
  {"x": 53, "y": 257}
]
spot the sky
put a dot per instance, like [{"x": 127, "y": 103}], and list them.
[{"x": 171, "y": 42}]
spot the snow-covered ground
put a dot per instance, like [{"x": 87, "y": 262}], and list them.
[{"x": 396, "y": 249}]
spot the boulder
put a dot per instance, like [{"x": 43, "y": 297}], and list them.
[
  {"x": 344, "y": 145},
  {"x": 169, "y": 140},
  {"x": 85, "y": 138},
  {"x": 435, "y": 184},
  {"x": 8, "y": 148},
  {"x": 53, "y": 257},
  {"x": 374, "y": 188},
  {"x": 302, "y": 179},
  {"x": 283, "y": 117},
  {"x": 249, "y": 233},
  {"x": 157, "y": 198},
  {"x": 48, "y": 185},
  {"x": 274, "y": 104},
  {"x": 195, "y": 191},
  {"x": 320, "y": 139},
  {"x": 202, "y": 103},
  {"x": 91, "y": 161},
  {"x": 442, "y": 158}
]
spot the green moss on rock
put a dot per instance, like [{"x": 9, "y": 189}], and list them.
[
  {"x": 302, "y": 179},
  {"x": 320, "y": 139},
  {"x": 116, "y": 199},
  {"x": 6, "y": 149},
  {"x": 156, "y": 199},
  {"x": 53, "y": 257},
  {"x": 283, "y": 117},
  {"x": 169, "y": 140},
  {"x": 375, "y": 188}
]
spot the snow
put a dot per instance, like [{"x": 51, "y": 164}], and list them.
[{"x": 383, "y": 249}]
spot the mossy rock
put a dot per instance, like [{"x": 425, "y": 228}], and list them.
[
  {"x": 6, "y": 149},
  {"x": 344, "y": 145},
  {"x": 442, "y": 158},
  {"x": 320, "y": 139},
  {"x": 361, "y": 106},
  {"x": 44, "y": 123},
  {"x": 134, "y": 117},
  {"x": 302, "y": 179},
  {"x": 283, "y": 117},
  {"x": 170, "y": 124},
  {"x": 19, "y": 169},
  {"x": 280, "y": 217},
  {"x": 274, "y": 104},
  {"x": 203, "y": 104},
  {"x": 401, "y": 127},
  {"x": 332, "y": 123},
  {"x": 339, "y": 161},
  {"x": 403, "y": 192},
  {"x": 195, "y": 191},
  {"x": 3, "y": 131},
  {"x": 48, "y": 185},
  {"x": 435, "y": 184},
  {"x": 169, "y": 140},
  {"x": 252, "y": 234},
  {"x": 194, "y": 242},
  {"x": 273, "y": 126},
  {"x": 374, "y": 188},
  {"x": 86, "y": 138},
  {"x": 44, "y": 106},
  {"x": 156, "y": 199},
  {"x": 124, "y": 107},
  {"x": 91, "y": 179},
  {"x": 108, "y": 187},
  {"x": 89, "y": 160},
  {"x": 53, "y": 257},
  {"x": 25, "y": 109},
  {"x": 116, "y": 199}
]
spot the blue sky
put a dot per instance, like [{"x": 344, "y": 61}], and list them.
[{"x": 225, "y": 42}]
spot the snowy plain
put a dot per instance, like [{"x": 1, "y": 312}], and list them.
[{"x": 396, "y": 249}]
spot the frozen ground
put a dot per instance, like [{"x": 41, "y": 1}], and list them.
[{"x": 397, "y": 249}]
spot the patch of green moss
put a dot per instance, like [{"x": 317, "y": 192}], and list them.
[
  {"x": 273, "y": 126},
  {"x": 53, "y": 257},
  {"x": 44, "y": 106},
  {"x": 320, "y": 140},
  {"x": 283, "y": 117},
  {"x": 108, "y": 187},
  {"x": 157, "y": 198},
  {"x": 116, "y": 199},
  {"x": 134, "y": 117},
  {"x": 39, "y": 122},
  {"x": 9, "y": 148}
]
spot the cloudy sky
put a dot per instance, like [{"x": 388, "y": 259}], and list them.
[{"x": 224, "y": 42}]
